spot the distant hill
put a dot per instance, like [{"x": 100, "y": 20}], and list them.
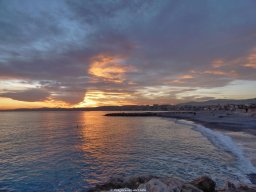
[{"x": 221, "y": 102}]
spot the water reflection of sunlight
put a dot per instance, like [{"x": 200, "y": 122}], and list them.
[{"x": 108, "y": 149}]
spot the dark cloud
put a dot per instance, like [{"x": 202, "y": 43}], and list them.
[
  {"x": 54, "y": 42},
  {"x": 31, "y": 95}
]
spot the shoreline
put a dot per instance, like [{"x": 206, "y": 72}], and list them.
[
  {"x": 222, "y": 126},
  {"x": 218, "y": 120}
]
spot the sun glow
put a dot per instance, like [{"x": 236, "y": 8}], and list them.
[
  {"x": 7, "y": 103},
  {"x": 95, "y": 98},
  {"x": 111, "y": 69}
]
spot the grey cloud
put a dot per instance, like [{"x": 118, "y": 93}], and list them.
[
  {"x": 23, "y": 24},
  {"x": 69, "y": 97},
  {"x": 54, "y": 41},
  {"x": 30, "y": 95},
  {"x": 71, "y": 92}
]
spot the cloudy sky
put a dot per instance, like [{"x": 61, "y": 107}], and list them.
[{"x": 76, "y": 53}]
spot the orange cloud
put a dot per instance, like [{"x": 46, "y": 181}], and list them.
[
  {"x": 251, "y": 60},
  {"x": 215, "y": 72},
  {"x": 185, "y": 76},
  {"x": 94, "y": 98},
  {"x": 218, "y": 63},
  {"x": 222, "y": 73},
  {"x": 109, "y": 68},
  {"x": 248, "y": 61},
  {"x": 7, "y": 103}
]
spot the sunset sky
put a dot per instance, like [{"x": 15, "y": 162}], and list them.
[{"x": 76, "y": 53}]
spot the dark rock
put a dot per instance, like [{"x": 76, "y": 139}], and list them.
[
  {"x": 165, "y": 184},
  {"x": 122, "y": 182},
  {"x": 206, "y": 184},
  {"x": 154, "y": 185},
  {"x": 134, "y": 182},
  {"x": 252, "y": 178},
  {"x": 247, "y": 188},
  {"x": 151, "y": 183},
  {"x": 189, "y": 188}
]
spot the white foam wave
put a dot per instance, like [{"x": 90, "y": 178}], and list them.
[{"x": 226, "y": 143}]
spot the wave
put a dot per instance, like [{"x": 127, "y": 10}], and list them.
[{"x": 225, "y": 143}]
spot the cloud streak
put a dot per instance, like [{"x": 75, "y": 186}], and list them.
[{"x": 30, "y": 95}]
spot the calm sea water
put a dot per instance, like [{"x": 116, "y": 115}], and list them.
[{"x": 73, "y": 151}]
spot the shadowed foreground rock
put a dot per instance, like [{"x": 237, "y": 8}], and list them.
[
  {"x": 205, "y": 184},
  {"x": 151, "y": 183}
]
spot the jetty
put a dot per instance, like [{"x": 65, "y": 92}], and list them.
[{"x": 150, "y": 114}]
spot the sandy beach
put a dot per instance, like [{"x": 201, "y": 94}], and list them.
[{"x": 229, "y": 121}]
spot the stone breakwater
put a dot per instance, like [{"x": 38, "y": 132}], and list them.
[{"x": 151, "y": 183}]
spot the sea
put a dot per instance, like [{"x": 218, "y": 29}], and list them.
[{"x": 74, "y": 151}]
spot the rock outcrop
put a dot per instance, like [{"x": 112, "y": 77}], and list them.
[
  {"x": 231, "y": 187},
  {"x": 151, "y": 183},
  {"x": 205, "y": 183}
]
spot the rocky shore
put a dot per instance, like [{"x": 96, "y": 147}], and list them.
[{"x": 150, "y": 183}]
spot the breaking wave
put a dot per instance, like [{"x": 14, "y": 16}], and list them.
[{"x": 225, "y": 143}]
